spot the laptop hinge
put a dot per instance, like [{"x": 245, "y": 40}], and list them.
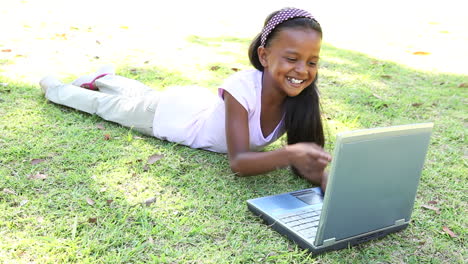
[
  {"x": 400, "y": 222},
  {"x": 329, "y": 242}
]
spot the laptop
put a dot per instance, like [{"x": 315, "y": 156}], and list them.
[{"x": 370, "y": 193}]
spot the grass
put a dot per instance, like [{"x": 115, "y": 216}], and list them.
[{"x": 91, "y": 206}]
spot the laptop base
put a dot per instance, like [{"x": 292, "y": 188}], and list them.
[{"x": 308, "y": 245}]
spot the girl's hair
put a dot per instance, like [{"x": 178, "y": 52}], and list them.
[{"x": 303, "y": 122}]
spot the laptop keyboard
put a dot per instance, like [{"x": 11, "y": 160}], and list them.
[{"x": 304, "y": 222}]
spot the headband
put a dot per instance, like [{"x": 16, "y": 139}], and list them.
[{"x": 282, "y": 15}]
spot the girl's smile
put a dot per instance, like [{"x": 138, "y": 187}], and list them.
[{"x": 290, "y": 60}]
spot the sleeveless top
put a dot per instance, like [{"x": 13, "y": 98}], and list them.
[{"x": 195, "y": 117}]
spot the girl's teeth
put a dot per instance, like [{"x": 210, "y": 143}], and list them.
[{"x": 295, "y": 81}]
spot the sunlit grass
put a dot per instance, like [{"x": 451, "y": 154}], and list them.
[{"x": 199, "y": 212}]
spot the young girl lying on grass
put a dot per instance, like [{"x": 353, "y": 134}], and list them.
[{"x": 253, "y": 107}]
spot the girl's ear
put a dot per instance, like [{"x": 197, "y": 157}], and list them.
[{"x": 262, "y": 56}]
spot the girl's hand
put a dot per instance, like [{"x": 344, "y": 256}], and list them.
[{"x": 310, "y": 161}]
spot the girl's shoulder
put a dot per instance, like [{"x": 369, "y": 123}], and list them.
[
  {"x": 245, "y": 87},
  {"x": 247, "y": 78},
  {"x": 250, "y": 74}
]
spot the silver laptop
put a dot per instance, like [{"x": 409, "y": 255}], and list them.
[{"x": 370, "y": 193}]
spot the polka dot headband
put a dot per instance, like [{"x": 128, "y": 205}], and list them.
[{"x": 280, "y": 17}]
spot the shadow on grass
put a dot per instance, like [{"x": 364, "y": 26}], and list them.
[{"x": 199, "y": 212}]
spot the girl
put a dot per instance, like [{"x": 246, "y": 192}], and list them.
[{"x": 253, "y": 107}]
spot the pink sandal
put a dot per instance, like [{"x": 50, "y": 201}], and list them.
[{"x": 91, "y": 85}]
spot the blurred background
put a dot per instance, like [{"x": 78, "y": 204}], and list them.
[{"x": 73, "y": 37}]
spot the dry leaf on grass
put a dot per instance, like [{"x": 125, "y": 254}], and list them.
[
  {"x": 9, "y": 191},
  {"x": 107, "y": 137},
  {"x": 421, "y": 53},
  {"x": 90, "y": 201},
  {"x": 149, "y": 201},
  {"x": 449, "y": 232},
  {"x": 153, "y": 158},
  {"x": 62, "y": 36},
  {"x": 100, "y": 126},
  {"x": 37, "y": 161},
  {"x": 92, "y": 220},
  {"x": 37, "y": 176},
  {"x": 376, "y": 62},
  {"x": 377, "y": 96},
  {"x": 463, "y": 85},
  {"x": 430, "y": 207}
]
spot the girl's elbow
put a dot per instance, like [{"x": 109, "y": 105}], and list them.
[{"x": 237, "y": 168}]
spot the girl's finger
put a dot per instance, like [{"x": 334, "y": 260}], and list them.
[
  {"x": 320, "y": 154},
  {"x": 323, "y": 162}
]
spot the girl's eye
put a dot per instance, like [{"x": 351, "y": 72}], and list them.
[
  {"x": 291, "y": 59},
  {"x": 312, "y": 63}
]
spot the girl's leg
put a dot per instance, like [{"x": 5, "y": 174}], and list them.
[
  {"x": 136, "y": 112},
  {"x": 114, "y": 84},
  {"x": 105, "y": 80},
  {"x": 87, "y": 81}
]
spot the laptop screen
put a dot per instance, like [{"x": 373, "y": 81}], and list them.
[{"x": 373, "y": 180}]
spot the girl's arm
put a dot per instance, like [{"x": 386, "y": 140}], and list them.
[{"x": 309, "y": 159}]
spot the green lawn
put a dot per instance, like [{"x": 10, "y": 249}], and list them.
[{"x": 99, "y": 201}]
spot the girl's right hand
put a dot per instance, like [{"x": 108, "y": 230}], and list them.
[{"x": 309, "y": 159}]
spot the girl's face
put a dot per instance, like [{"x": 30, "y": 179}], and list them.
[{"x": 290, "y": 61}]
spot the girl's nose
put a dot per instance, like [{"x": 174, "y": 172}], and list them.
[{"x": 301, "y": 68}]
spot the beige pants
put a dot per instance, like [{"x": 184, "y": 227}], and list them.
[{"x": 119, "y": 99}]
